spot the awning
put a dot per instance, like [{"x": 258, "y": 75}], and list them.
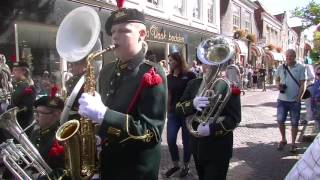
[
  {"x": 276, "y": 56},
  {"x": 256, "y": 50},
  {"x": 241, "y": 46}
]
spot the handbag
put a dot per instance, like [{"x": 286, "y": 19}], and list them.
[{"x": 306, "y": 93}]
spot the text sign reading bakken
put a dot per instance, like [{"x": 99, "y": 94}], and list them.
[{"x": 161, "y": 34}]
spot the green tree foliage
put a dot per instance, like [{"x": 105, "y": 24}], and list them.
[
  {"x": 310, "y": 14},
  {"x": 316, "y": 40}
]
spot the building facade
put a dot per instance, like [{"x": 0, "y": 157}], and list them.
[{"x": 237, "y": 21}]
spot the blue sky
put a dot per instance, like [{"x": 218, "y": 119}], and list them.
[{"x": 279, "y": 6}]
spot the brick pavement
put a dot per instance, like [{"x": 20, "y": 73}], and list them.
[
  {"x": 255, "y": 142},
  {"x": 255, "y": 154}
]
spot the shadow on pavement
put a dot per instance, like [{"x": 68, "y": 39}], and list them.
[
  {"x": 268, "y": 104},
  {"x": 261, "y": 161},
  {"x": 166, "y": 164},
  {"x": 259, "y": 125}
]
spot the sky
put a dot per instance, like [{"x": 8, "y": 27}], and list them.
[{"x": 279, "y": 6}]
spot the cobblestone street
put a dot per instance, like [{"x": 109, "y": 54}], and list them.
[{"x": 255, "y": 141}]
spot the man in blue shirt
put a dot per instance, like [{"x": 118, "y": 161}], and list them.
[{"x": 290, "y": 96}]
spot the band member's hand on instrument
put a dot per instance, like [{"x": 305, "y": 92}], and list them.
[
  {"x": 203, "y": 129},
  {"x": 200, "y": 102},
  {"x": 92, "y": 107}
]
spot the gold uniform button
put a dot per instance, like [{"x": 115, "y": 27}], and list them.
[{"x": 118, "y": 74}]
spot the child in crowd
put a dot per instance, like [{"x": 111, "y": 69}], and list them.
[{"x": 315, "y": 100}]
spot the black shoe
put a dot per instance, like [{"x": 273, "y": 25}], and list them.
[
  {"x": 303, "y": 122},
  {"x": 172, "y": 171},
  {"x": 184, "y": 172}
]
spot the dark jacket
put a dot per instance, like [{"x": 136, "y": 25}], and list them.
[
  {"x": 44, "y": 140},
  {"x": 219, "y": 143},
  {"x": 23, "y": 96},
  {"x": 132, "y": 139}
]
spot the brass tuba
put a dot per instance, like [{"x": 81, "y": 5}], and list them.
[
  {"x": 19, "y": 158},
  {"x": 76, "y": 37},
  {"x": 214, "y": 52}
]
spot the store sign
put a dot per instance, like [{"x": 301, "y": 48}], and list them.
[{"x": 164, "y": 35}]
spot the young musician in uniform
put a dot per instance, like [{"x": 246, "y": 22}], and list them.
[
  {"x": 24, "y": 93},
  {"x": 48, "y": 110},
  {"x": 213, "y": 150},
  {"x": 130, "y": 104}
]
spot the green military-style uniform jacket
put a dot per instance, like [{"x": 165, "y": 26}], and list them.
[
  {"x": 132, "y": 139},
  {"x": 23, "y": 96},
  {"x": 43, "y": 140},
  {"x": 217, "y": 146}
]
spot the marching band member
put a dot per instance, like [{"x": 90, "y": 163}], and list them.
[
  {"x": 48, "y": 110},
  {"x": 78, "y": 69},
  {"x": 131, "y": 109},
  {"x": 24, "y": 93},
  {"x": 211, "y": 152}
]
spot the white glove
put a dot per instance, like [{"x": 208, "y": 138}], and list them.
[
  {"x": 203, "y": 129},
  {"x": 200, "y": 102},
  {"x": 92, "y": 107}
]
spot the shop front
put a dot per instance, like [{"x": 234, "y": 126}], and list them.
[
  {"x": 31, "y": 35},
  {"x": 273, "y": 60},
  {"x": 256, "y": 56},
  {"x": 241, "y": 52}
]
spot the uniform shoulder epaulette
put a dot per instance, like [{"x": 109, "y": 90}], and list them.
[
  {"x": 150, "y": 62},
  {"x": 110, "y": 62}
]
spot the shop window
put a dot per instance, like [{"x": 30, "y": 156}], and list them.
[
  {"x": 211, "y": 12},
  {"x": 36, "y": 46},
  {"x": 180, "y": 7},
  {"x": 247, "y": 22},
  {"x": 236, "y": 17},
  {"x": 196, "y": 10},
  {"x": 155, "y": 3}
]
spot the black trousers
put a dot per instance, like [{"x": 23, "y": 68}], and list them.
[{"x": 212, "y": 169}]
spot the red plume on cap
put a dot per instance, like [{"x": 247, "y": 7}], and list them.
[
  {"x": 53, "y": 92},
  {"x": 120, "y": 3}
]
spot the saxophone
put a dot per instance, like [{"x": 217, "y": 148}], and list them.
[{"x": 78, "y": 136}]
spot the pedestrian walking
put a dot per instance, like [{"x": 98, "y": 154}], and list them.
[
  {"x": 178, "y": 78},
  {"x": 290, "y": 96}
]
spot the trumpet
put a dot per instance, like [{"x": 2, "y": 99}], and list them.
[{"x": 19, "y": 158}]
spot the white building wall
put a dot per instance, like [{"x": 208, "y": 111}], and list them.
[{"x": 165, "y": 11}]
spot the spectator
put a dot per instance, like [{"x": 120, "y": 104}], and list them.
[
  {"x": 315, "y": 100},
  {"x": 310, "y": 81},
  {"x": 165, "y": 66},
  {"x": 196, "y": 69},
  {"x": 262, "y": 77},
  {"x": 233, "y": 73},
  {"x": 289, "y": 99},
  {"x": 249, "y": 77},
  {"x": 254, "y": 78},
  {"x": 308, "y": 166},
  {"x": 178, "y": 78}
]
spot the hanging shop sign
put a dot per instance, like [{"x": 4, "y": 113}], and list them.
[{"x": 162, "y": 34}]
